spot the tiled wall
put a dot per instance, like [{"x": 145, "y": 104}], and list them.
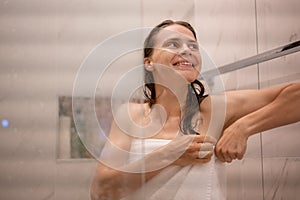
[{"x": 43, "y": 44}]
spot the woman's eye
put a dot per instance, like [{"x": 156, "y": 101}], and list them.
[
  {"x": 172, "y": 44},
  {"x": 193, "y": 46}
]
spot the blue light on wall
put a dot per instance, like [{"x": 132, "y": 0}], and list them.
[{"x": 5, "y": 123}]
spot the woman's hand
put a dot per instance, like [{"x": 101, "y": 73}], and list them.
[
  {"x": 232, "y": 144},
  {"x": 190, "y": 149}
]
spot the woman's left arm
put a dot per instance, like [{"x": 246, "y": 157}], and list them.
[{"x": 263, "y": 110}]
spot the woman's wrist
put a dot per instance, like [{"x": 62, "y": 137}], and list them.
[{"x": 242, "y": 127}]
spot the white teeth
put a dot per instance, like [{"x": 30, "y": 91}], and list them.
[{"x": 185, "y": 63}]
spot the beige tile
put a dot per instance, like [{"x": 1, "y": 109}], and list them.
[
  {"x": 277, "y": 23},
  {"x": 282, "y": 142},
  {"x": 227, "y": 31},
  {"x": 281, "y": 178},
  {"x": 280, "y": 71},
  {"x": 277, "y": 26},
  {"x": 254, "y": 147},
  {"x": 155, "y": 11},
  {"x": 29, "y": 178},
  {"x": 244, "y": 180}
]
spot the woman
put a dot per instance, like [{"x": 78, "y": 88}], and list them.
[{"x": 174, "y": 127}]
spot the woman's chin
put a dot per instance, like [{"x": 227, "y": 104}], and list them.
[{"x": 189, "y": 76}]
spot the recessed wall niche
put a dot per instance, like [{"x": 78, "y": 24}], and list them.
[{"x": 69, "y": 144}]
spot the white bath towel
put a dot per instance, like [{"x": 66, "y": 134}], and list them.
[{"x": 202, "y": 181}]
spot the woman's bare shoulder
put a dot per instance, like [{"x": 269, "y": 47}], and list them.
[{"x": 125, "y": 119}]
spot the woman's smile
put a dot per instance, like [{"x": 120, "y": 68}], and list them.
[{"x": 183, "y": 64}]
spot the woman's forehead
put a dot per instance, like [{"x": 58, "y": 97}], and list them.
[{"x": 175, "y": 31}]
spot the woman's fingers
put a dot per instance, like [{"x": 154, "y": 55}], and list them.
[
  {"x": 229, "y": 155},
  {"x": 206, "y": 146},
  {"x": 205, "y": 139},
  {"x": 204, "y": 154},
  {"x": 202, "y": 146},
  {"x": 196, "y": 149}
]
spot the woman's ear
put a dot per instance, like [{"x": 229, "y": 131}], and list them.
[{"x": 148, "y": 64}]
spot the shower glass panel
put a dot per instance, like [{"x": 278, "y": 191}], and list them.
[{"x": 53, "y": 130}]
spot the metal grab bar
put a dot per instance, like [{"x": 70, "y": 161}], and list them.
[{"x": 262, "y": 57}]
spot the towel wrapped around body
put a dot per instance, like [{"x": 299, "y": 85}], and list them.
[{"x": 201, "y": 181}]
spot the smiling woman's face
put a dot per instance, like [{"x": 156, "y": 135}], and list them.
[{"x": 176, "y": 48}]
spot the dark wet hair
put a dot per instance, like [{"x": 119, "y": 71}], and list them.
[{"x": 195, "y": 90}]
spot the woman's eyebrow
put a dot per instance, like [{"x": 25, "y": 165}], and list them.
[
  {"x": 178, "y": 39},
  {"x": 190, "y": 40}
]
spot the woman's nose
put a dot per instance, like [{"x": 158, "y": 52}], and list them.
[{"x": 185, "y": 50}]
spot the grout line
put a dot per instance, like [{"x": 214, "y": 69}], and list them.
[{"x": 259, "y": 87}]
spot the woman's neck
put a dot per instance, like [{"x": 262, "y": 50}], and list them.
[{"x": 172, "y": 101}]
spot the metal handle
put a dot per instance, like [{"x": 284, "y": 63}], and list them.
[{"x": 262, "y": 57}]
